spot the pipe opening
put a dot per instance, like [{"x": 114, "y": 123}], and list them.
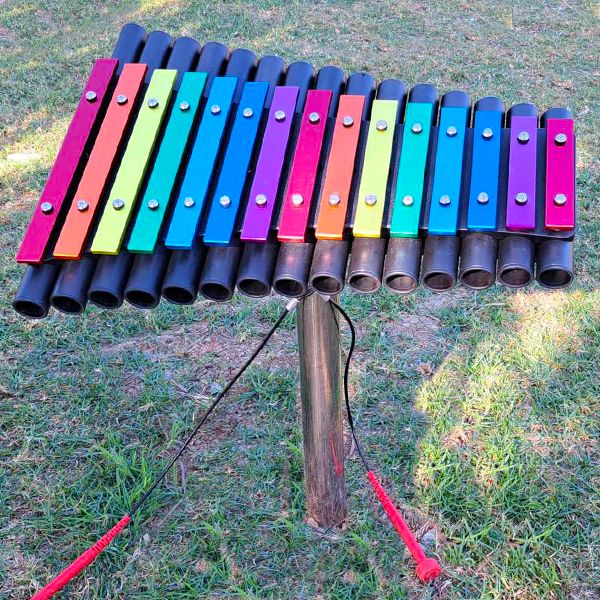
[
  {"x": 178, "y": 295},
  {"x": 253, "y": 288},
  {"x": 28, "y": 308},
  {"x": 327, "y": 284},
  {"x": 104, "y": 299},
  {"x": 141, "y": 299},
  {"x": 363, "y": 283},
  {"x": 398, "y": 282},
  {"x": 555, "y": 278},
  {"x": 438, "y": 281},
  {"x": 289, "y": 287},
  {"x": 216, "y": 292},
  {"x": 68, "y": 305},
  {"x": 477, "y": 279},
  {"x": 515, "y": 277}
]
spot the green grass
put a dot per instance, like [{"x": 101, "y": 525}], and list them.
[{"x": 479, "y": 410}]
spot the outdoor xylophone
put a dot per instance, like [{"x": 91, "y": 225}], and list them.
[{"x": 189, "y": 169}]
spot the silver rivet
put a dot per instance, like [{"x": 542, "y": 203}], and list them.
[
  {"x": 152, "y": 102},
  {"x": 483, "y": 198},
  {"x": 381, "y": 125},
  {"x": 451, "y": 131},
  {"x": 521, "y": 198},
  {"x": 188, "y": 202},
  {"x": 334, "y": 199},
  {"x": 215, "y": 109},
  {"x": 46, "y": 208},
  {"x": 523, "y": 137},
  {"x": 347, "y": 121},
  {"x": 260, "y": 200},
  {"x": 416, "y": 128},
  {"x": 224, "y": 201},
  {"x": 279, "y": 115},
  {"x": 184, "y": 106},
  {"x": 370, "y": 199},
  {"x": 560, "y": 199},
  {"x": 82, "y": 205},
  {"x": 560, "y": 139},
  {"x": 445, "y": 200},
  {"x": 118, "y": 203},
  {"x": 247, "y": 112},
  {"x": 408, "y": 200},
  {"x": 121, "y": 99},
  {"x": 487, "y": 133},
  {"x": 297, "y": 199},
  {"x": 153, "y": 204},
  {"x": 314, "y": 118},
  {"x": 91, "y": 96}
]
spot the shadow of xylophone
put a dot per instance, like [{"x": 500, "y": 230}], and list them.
[{"x": 190, "y": 169}]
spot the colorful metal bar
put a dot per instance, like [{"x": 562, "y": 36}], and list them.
[
  {"x": 376, "y": 167},
  {"x": 485, "y": 168},
  {"x": 445, "y": 198},
  {"x": 227, "y": 198},
  {"x": 560, "y": 174},
  {"x": 301, "y": 180},
  {"x": 265, "y": 185},
  {"x": 123, "y": 195},
  {"x": 520, "y": 201},
  {"x": 37, "y": 236},
  {"x": 340, "y": 169},
  {"x": 410, "y": 181},
  {"x": 200, "y": 168},
  {"x": 77, "y": 225},
  {"x": 148, "y": 223}
]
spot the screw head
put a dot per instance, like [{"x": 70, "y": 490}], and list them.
[
  {"x": 122, "y": 99},
  {"x": 560, "y": 139},
  {"x": 417, "y": 128},
  {"x": 560, "y": 199},
  {"x": 521, "y": 198},
  {"x": 118, "y": 203},
  {"x": 451, "y": 131},
  {"x": 247, "y": 112},
  {"x": 370, "y": 199},
  {"x": 153, "y": 204},
  {"x": 297, "y": 199},
  {"x": 408, "y": 200},
  {"x": 224, "y": 201},
  {"x": 82, "y": 205},
  {"x": 334, "y": 199},
  {"x": 483, "y": 198},
  {"x": 347, "y": 121},
  {"x": 215, "y": 109},
  {"x": 152, "y": 102},
  {"x": 381, "y": 125},
  {"x": 314, "y": 118},
  {"x": 189, "y": 202},
  {"x": 487, "y": 133},
  {"x": 91, "y": 96},
  {"x": 184, "y": 106},
  {"x": 46, "y": 208},
  {"x": 445, "y": 200},
  {"x": 279, "y": 115},
  {"x": 523, "y": 137},
  {"x": 260, "y": 200}
]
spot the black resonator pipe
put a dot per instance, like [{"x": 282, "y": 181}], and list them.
[
  {"x": 330, "y": 259},
  {"x": 36, "y": 291},
  {"x": 440, "y": 252}
]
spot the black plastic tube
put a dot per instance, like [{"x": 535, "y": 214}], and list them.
[
  {"x": 70, "y": 290},
  {"x": 515, "y": 261},
  {"x": 146, "y": 277},
  {"x": 33, "y": 296},
  {"x": 402, "y": 264},
  {"x": 555, "y": 264},
  {"x": 180, "y": 285},
  {"x": 107, "y": 287},
  {"x": 440, "y": 261},
  {"x": 218, "y": 277},
  {"x": 478, "y": 261}
]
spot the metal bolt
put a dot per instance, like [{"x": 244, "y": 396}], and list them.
[
  {"x": 279, "y": 115},
  {"x": 521, "y": 198},
  {"x": 297, "y": 199},
  {"x": 523, "y": 137},
  {"x": 184, "y": 106},
  {"x": 381, "y": 125},
  {"x": 560, "y": 139},
  {"x": 188, "y": 202},
  {"x": 560, "y": 199},
  {"x": 152, "y": 102},
  {"x": 451, "y": 131},
  {"x": 445, "y": 200},
  {"x": 91, "y": 96},
  {"x": 370, "y": 199},
  {"x": 314, "y": 118},
  {"x": 118, "y": 203},
  {"x": 46, "y": 208},
  {"x": 260, "y": 200},
  {"x": 82, "y": 205},
  {"x": 408, "y": 200},
  {"x": 247, "y": 112},
  {"x": 153, "y": 204},
  {"x": 416, "y": 128},
  {"x": 215, "y": 109},
  {"x": 483, "y": 198},
  {"x": 334, "y": 199},
  {"x": 224, "y": 201},
  {"x": 487, "y": 133},
  {"x": 121, "y": 99},
  {"x": 347, "y": 121}
]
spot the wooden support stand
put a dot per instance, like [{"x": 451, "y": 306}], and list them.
[{"x": 322, "y": 423}]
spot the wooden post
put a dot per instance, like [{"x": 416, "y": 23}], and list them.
[{"x": 322, "y": 424}]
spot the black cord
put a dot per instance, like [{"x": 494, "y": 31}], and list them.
[{"x": 290, "y": 306}]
